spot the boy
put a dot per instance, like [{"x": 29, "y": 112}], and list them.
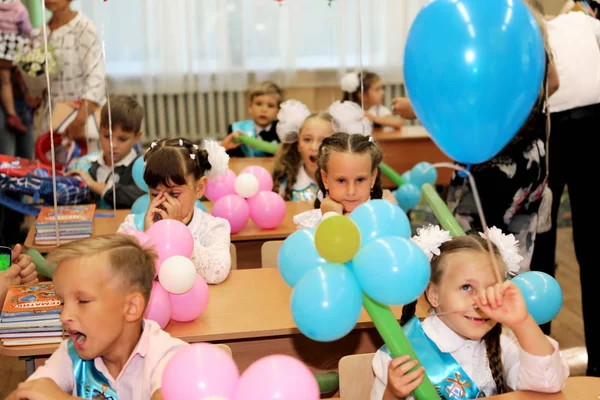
[
  {"x": 264, "y": 106},
  {"x": 104, "y": 283},
  {"x": 95, "y": 169}
]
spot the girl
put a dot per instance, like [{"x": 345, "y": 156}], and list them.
[
  {"x": 177, "y": 172},
  {"x": 15, "y": 30},
  {"x": 301, "y": 133},
  {"x": 348, "y": 174},
  {"x": 461, "y": 344},
  {"x": 371, "y": 100}
]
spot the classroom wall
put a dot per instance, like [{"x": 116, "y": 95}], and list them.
[
  {"x": 317, "y": 98},
  {"x": 552, "y": 7}
]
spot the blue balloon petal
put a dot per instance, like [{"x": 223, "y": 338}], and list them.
[
  {"x": 298, "y": 255},
  {"x": 481, "y": 80},
  {"x": 407, "y": 176},
  {"x": 138, "y": 174},
  {"x": 542, "y": 293},
  {"x": 408, "y": 196},
  {"x": 140, "y": 205},
  {"x": 423, "y": 173},
  {"x": 380, "y": 218},
  {"x": 326, "y": 303},
  {"x": 392, "y": 270},
  {"x": 138, "y": 220}
]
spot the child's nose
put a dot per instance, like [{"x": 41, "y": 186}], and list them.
[{"x": 351, "y": 188}]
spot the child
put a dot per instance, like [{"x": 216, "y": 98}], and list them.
[
  {"x": 264, "y": 105},
  {"x": 372, "y": 99},
  {"x": 176, "y": 173},
  {"x": 95, "y": 169},
  {"x": 15, "y": 30},
  {"x": 296, "y": 161},
  {"x": 461, "y": 345},
  {"x": 104, "y": 283},
  {"x": 348, "y": 174}
]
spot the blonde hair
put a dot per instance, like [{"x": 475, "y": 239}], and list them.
[
  {"x": 133, "y": 264},
  {"x": 265, "y": 88}
]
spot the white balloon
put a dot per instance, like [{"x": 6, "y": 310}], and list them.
[
  {"x": 246, "y": 185},
  {"x": 177, "y": 274}
]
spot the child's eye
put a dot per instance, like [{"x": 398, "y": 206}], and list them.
[
  {"x": 466, "y": 288},
  {"x": 306, "y": 140},
  {"x": 83, "y": 301},
  {"x": 175, "y": 195},
  {"x": 361, "y": 179},
  {"x": 341, "y": 180}
]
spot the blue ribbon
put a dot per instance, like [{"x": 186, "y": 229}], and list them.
[
  {"x": 249, "y": 130},
  {"x": 90, "y": 383}
]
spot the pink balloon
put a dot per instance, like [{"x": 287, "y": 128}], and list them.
[
  {"x": 190, "y": 305},
  {"x": 277, "y": 377},
  {"x": 234, "y": 209},
  {"x": 265, "y": 180},
  {"x": 199, "y": 371},
  {"x": 170, "y": 238},
  {"x": 267, "y": 209},
  {"x": 139, "y": 235},
  {"x": 159, "y": 305},
  {"x": 220, "y": 186}
]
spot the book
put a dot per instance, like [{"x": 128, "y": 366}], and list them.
[
  {"x": 21, "y": 335},
  {"x": 31, "y": 303},
  {"x": 50, "y": 324},
  {"x": 31, "y": 341},
  {"x": 67, "y": 215}
]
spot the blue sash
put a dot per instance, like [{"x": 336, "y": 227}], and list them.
[
  {"x": 309, "y": 193},
  {"x": 446, "y": 375},
  {"x": 248, "y": 128},
  {"x": 90, "y": 382}
]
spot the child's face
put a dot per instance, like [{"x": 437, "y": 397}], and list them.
[
  {"x": 465, "y": 274},
  {"x": 311, "y": 136},
  {"x": 96, "y": 306},
  {"x": 123, "y": 142},
  {"x": 263, "y": 109},
  {"x": 349, "y": 179},
  {"x": 56, "y": 5},
  {"x": 375, "y": 93},
  {"x": 186, "y": 194}
]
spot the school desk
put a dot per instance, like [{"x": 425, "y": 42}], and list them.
[
  {"x": 248, "y": 241},
  {"x": 250, "y": 312}
]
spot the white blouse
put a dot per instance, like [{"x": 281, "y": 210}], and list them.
[
  {"x": 211, "y": 255},
  {"x": 522, "y": 371}
]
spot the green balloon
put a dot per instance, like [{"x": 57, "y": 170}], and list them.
[{"x": 337, "y": 239}]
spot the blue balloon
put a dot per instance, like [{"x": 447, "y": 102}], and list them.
[
  {"x": 473, "y": 89},
  {"x": 140, "y": 205},
  {"x": 138, "y": 220},
  {"x": 407, "y": 177},
  {"x": 138, "y": 174},
  {"x": 326, "y": 303},
  {"x": 408, "y": 196},
  {"x": 423, "y": 173},
  {"x": 200, "y": 205},
  {"x": 380, "y": 218},
  {"x": 392, "y": 270},
  {"x": 543, "y": 295},
  {"x": 298, "y": 255}
]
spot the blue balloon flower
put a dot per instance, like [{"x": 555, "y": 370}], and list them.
[
  {"x": 380, "y": 218},
  {"x": 298, "y": 255},
  {"x": 140, "y": 205},
  {"x": 138, "y": 174},
  {"x": 408, "y": 196},
  {"x": 423, "y": 173},
  {"x": 138, "y": 220},
  {"x": 542, "y": 293}
]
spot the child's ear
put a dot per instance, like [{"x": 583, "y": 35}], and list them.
[
  {"x": 324, "y": 179},
  {"x": 201, "y": 187},
  {"x": 134, "y": 307},
  {"x": 432, "y": 295}
]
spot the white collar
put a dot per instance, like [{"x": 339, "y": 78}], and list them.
[
  {"x": 303, "y": 180},
  {"x": 196, "y": 221},
  {"x": 258, "y": 129},
  {"x": 445, "y": 338},
  {"x": 128, "y": 159}
]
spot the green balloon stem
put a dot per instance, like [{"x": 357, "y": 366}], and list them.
[
  {"x": 328, "y": 382},
  {"x": 391, "y": 174},
  {"x": 441, "y": 211},
  {"x": 42, "y": 266},
  {"x": 258, "y": 144}
]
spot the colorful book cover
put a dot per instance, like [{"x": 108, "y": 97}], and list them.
[
  {"x": 67, "y": 214},
  {"x": 31, "y": 302}
]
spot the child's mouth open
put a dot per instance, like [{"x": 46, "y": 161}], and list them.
[
  {"x": 78, "y": 338},
  {"x": 313, "y": 159},
  {"x": 477, "y": 320}
]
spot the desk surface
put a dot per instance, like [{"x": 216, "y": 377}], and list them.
[
  {"x": 250, "y": 304},
  {"x": 106, "y": 225},
  {"x": 577, "y": 388}
]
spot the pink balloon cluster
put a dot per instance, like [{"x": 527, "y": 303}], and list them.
[
  {"x": 179, "y": 294},
  {"x": 203, "y": 371},
  {"x": 247, "y": 196}
]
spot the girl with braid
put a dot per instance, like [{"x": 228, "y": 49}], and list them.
[
  {"x": 479, "y": 339},
  {"x": 176, "y": 173}
]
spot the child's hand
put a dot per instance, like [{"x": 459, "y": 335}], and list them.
[
  {"x": 28, "y": 272},
  {"x": 504, "y": 303},
  {"x": 401, "y": 382},
  {"x": 329, "y": 205},
  {"x": 95, "y": 187},
  {"x": 174, "y": 211},
  {"x": 228, "y": 142},
  {"x": 156, "y": 211},
  {"x": 40, "y": 389}
]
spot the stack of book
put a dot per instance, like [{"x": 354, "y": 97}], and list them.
[
  {"x": 74, "y": 222},
  {"x": 31, "y": 315}
]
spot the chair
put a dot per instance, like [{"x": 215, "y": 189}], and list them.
[
  {"x": 269, "y": 252},
  {"x": 226, "y": 348},
  {"x": 356, "y": 376},
  {"x": 233, "y": 253}
]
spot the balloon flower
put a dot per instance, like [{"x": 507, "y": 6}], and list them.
[
  {"x": 180, "y": 294},
  {"x": 247, "y": 196},
  {"x": 205, "y": 371}
]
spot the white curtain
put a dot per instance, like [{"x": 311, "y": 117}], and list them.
[{"x": 175, "y": 46}]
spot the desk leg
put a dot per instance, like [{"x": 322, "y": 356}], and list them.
[{"x": 29, "y": 365}]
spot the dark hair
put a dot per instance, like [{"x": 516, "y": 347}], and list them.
[
  {"x": 536, "y": 5},
  {"x": 171, "y": 161},
  {"x": 125, "y": 113},
  {"x": 288, "y": 160},
  {"x": 472, "y": 242},
  {"x": 368, "y": 78},
  {"x": 344, "y": 143},
  {"x": 264, "y": 88}
]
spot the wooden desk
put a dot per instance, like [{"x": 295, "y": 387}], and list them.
[
  {"x": 577, "y": 388},
  {"x": 250, "y": 312},
  {"x": 404, "y": 148}
]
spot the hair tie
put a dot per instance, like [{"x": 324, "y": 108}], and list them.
[
  {"x": 195, "y": 147},
  {"x": 350, "y": 82},
  {"x": 181, "y": 142},
  {"x": 192, "y": 156},
  {"x": 350, "y": 118},
  {"x": 153, "y": 144},
  {"x": 291, "y": 116},
  {"x": 217, "y": 157}
]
